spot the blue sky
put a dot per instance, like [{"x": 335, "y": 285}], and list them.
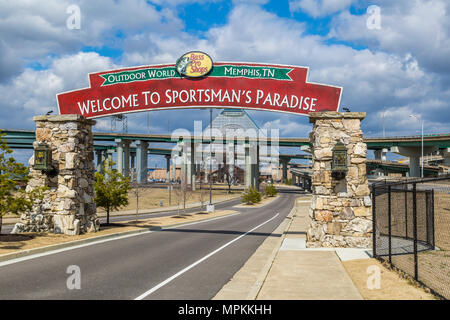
[{"x": 400, "y": 67}]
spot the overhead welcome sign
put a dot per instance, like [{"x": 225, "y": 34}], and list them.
[{"x": 195, "y": 81}]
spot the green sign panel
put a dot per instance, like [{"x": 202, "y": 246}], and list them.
[{"x": 229, "y": 71}]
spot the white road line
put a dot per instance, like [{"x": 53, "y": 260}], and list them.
[
  {"x": 43, "y": 254},
  {"x": 190, "y": 223},
  {"x": 179, "y": 273}
]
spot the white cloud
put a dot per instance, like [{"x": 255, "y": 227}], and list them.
[
  {"x": 288, "y": 128},
  {"x": 33, "y": 92},
  {"x": 420, "y": 28},
  {"x": 31, "y": 31},
  {"x": 390, "y": 75},
  {"x": 319, "y": 8}
]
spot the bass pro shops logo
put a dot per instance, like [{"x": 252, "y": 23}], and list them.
[{"x": 194, "y": 64}]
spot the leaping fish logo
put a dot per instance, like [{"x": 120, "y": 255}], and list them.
[
  {"x": 182, "y": 64},
  {"x": 194, "y": 64}
]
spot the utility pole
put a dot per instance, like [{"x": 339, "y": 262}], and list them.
[
  {"x": 421, "y": 161},
  {"x": 422, "y": 150},
  {"x": 210, "y": 156}
]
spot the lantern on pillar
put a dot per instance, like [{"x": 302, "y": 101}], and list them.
[
  {"x": 43, "y": 157},
  {"x": 339, "y": 161}
]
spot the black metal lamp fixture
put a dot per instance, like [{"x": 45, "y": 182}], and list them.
[
  {"x": 43, "y": 159},
  {"x": 339, "y": 161}
]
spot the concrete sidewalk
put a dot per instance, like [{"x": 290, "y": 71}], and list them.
[{"x": 282, "y": 268}]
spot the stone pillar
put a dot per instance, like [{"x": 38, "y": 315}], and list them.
[
  {"x": 340, "y": 208},
  {"x": 68, "y": 206},
  {"x": 142, "y": 161},
  {"x": 167, "y": 168}
]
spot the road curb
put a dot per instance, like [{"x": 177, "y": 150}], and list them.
[{"x": 29, "y": 252}]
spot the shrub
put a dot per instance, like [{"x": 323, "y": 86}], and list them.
[
  {"x": 251, "y": 195},
  {"x": 288, "y": 182},
  {"x": 271, "y": 191}
]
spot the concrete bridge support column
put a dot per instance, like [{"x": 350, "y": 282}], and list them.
[
  {"x": 132, "y": 162},
  {"x": 284, "y": 164},
  {"x": 109, "y": 157},
  {"x": 206, "y": 169},
  {"x": 256, "y": 168},
  {"x": 167, "y": 168},
  {"x": 341, "y": 205},
  {"x": 248, "y": 166},
  {"x": 414, "y": 154},
  {"x": 187, "y": 166},
  {"x": 99, "y": 154},
  {"x": 142, "y": 161},
  {"x": 446, "y": 156},
  {"x": 380, "y": 154},
  {"x": 126, "y": 158},
  {"x": 119, "y": 155},
  {"x": 193, "y": 174},
  {"x": 174, "y": 169}
]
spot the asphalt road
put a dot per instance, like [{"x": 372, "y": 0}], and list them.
[{"x": 186, "y": 262}]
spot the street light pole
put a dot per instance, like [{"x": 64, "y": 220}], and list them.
[
  {"x": 421, "y": 160},
  {"x": 210, "y": 156},
  {"x": 422, "y": 150}
]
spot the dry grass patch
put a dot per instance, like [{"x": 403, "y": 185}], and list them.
[
  {"x": 262, "y": 203},
  {"x": 10, "y": 243},
  {"x": 393, "y": 287},
  {"x": 150, "y": 198}
]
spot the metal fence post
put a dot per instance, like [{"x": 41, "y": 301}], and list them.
[
  {"x": 427, "y": 216},
  {"x": 406, "y": 212},
  {"x": 416, "y": 271},
  {"x": 432, "y": 218},
  {"x": 374, "y": 218},
  {"x": 389, "y": 225}
]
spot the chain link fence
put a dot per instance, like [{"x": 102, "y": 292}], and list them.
[{"x": 411, "y": 223}]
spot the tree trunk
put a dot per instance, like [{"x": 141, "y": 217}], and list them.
[
  {"x": 107, "y": 216},
  {"x": 1, "y": 223}
]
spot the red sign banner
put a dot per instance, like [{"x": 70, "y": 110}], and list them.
[{"x": 272, "y": 87}]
